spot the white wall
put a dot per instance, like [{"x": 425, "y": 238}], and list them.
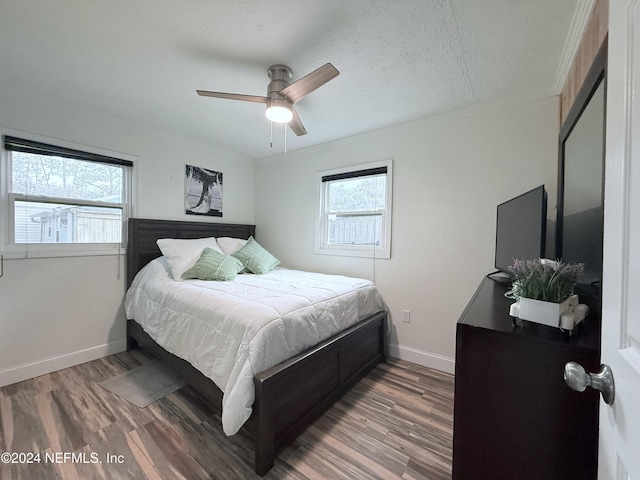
[
  {"x": 450, "y": 172},
  {"x": 57, "y": 312}
]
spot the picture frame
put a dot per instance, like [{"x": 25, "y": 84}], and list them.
[{"x": 202, "y": 191}]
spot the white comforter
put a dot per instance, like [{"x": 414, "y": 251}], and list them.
[{"x": 231, "y": 331}]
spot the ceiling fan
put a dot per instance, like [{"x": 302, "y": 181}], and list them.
[{"x": 281, "y": 95}]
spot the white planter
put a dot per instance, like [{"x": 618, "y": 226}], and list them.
[{"x": 546, "y": 313}]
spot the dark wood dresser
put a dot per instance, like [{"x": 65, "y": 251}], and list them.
[{"x": 514, "y": 417}]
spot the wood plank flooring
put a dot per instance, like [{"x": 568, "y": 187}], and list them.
[{"x": 396, "y": 423}]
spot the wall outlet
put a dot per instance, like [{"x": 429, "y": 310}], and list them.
[{"x": 406, "y": 316}]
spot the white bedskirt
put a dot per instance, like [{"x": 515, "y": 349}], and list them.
[{"x": 231, "y": 331}]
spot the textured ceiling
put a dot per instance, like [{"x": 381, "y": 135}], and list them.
[{"x": 399, "y": 60}]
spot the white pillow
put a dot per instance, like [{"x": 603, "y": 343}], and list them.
[
  {"x": 182, "y": 254},
  {"x": 230, "y": 245}
]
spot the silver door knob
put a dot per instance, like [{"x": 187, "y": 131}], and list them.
[{"x": 578, "y": 379}]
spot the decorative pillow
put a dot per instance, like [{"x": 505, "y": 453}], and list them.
[
  {"x": 213, "y": 265},
  {"x": 255, "y": 258},
  {"x": 181, "y": 253},
  {"x": 230, "y": 245}
]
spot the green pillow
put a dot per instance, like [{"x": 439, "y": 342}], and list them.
[
  {"x": 213, "y": 265},
  {"x": 255, "y": 258}
]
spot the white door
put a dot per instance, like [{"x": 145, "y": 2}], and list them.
[{"x": 619, "y": 457}]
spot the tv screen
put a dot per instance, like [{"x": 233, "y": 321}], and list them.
[{"x": 521, "y": 228}]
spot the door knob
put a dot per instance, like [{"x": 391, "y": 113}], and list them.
[{"x": 579, "y": 379}]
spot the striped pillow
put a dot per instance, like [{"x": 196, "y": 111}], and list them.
[
  {"x": 255, "y": 258},
  {"x": 213, "y": 265}
]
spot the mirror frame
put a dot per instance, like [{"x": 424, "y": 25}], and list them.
[{"x": 596, "y": 75}]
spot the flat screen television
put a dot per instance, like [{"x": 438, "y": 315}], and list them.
[{"x": 521, "y": 225}]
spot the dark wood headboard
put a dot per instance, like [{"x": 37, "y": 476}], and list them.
[{"x": 143, "y": 233}]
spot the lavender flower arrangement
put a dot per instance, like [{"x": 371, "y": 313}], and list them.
[{"x": 543, "y": 279}]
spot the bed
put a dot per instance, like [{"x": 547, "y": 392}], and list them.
[{"x": 288, "y": 396}]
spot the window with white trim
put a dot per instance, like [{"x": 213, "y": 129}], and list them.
[
  {"x": 60, "y": 201},
  {"x": 354, "y": 211}
]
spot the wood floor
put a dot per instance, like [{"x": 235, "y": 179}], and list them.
[{"x": 396, "y": 423}]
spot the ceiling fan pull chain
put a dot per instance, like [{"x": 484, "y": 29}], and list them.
[
  {"x": 285, "y": 140},
  {"x": 271, "y": 138}
]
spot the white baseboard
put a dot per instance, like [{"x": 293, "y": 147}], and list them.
[
  {"x": 426, "y": 359},
  {"x": 43, "y": 366}
]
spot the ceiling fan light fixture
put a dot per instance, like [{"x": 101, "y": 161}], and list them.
[
  {"x": 282, "y": 95},
  {"x": 278, "y": 111}
]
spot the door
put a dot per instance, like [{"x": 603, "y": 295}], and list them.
[{"x": 619, "y": 446}]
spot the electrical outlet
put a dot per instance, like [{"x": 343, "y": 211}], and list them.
[{"x": 406, "y": 316}]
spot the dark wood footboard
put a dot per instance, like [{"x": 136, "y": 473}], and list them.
[{"x": 293, "y": 394}]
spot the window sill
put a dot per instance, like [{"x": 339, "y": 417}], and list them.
[
  {"x": 21, "y": 252},
  {"x": 382, "y": 254}
]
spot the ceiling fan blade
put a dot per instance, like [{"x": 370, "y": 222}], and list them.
[
  {"x": 295, "y": 124},
  {"x": 307, "y": 84},
  {"x": 233, "y": 96}
]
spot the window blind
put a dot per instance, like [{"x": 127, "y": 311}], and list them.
[
  {"x": 29, "y": 146},
  {"x": 355, "y": 174}
]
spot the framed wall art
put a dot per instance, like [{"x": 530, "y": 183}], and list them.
[{"x": 202, "y": 192}]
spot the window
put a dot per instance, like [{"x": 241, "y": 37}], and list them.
[
  {"x": 62, "y": 201},
  {"x": 354, "y": 211}
]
